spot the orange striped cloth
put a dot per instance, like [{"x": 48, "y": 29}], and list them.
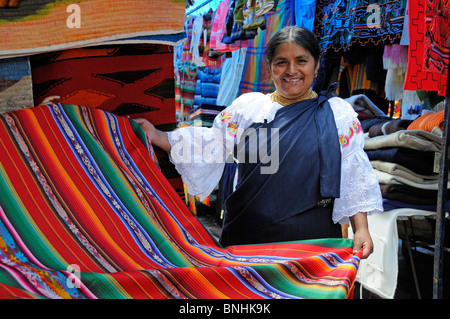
[
  {"x": 428, "y": 121},
  {"x": 42, "y": 26}
]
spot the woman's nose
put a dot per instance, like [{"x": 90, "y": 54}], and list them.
[{"x": 291, "y": 68}]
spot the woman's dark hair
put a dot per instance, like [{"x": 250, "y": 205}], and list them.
[{"x": 294, "y": 34}]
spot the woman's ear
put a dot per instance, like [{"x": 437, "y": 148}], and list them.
[{"x": 269, "y": 69}]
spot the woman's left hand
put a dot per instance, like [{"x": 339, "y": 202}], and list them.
[
  {"x": 363, "y": 240},
  {"x": 50, "y": 100}
]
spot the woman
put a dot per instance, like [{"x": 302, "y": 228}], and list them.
[{"x": 318, "y": 176}]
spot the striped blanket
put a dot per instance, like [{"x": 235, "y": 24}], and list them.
[
  {"x": 38, "y": 26},
  {"x": 86, "y": 213}
]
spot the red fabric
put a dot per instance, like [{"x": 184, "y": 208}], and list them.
[
  {"x": 133, "y": 80},
  {"x": 130, "y": 80}
]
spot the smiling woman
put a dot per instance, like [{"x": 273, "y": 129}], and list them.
[
  {"x": 293, "y": 70},
  {"x": 318, "y": 182},
  {"x": 293, "y": 60}
]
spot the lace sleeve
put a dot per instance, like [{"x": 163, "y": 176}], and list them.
[
  {"x": 200, "y": 170},
  {"x": 199, "y": 153},
  {"x": 360, "y": 190}
]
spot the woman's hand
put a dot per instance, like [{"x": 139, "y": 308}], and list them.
[
  {"x": 50, "y": 100},
  {"x": 361, "y": 236},
  {"x": 156, "y": 137},
  {"x": 147, "y": 127}
]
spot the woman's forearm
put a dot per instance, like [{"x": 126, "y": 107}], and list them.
[
  {"x": 359, "y": 221},
  {"x": 156, "y": 137},
  {"x": 161, "y": 139}
]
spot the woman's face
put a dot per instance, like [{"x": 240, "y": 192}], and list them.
[{"x": 293, "y": 70}]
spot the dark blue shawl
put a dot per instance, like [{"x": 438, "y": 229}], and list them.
[{"x": 309, "y": 159}]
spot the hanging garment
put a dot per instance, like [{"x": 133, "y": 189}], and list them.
[
  {"x": 197, "y": 28},
  {"x": 231, "y": 76},
  {"x": 395, "y": 61},
  {"x": 218, "y": 30},
  {"x": 187, "y": 51},
  {"x": 251, "y": 19},
  {"x": 405, "y": 34},
  {"x": 188, "y": 83},
  {"x": 264, "y": 6},
  {"x": 303, "y": 13},
  {"x": 256, "y": 78},
  {"x": 429, "y": 46},
  {"x": 342, "y": 23}
]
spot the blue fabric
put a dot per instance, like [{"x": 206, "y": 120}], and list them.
[
  {"x": 207, "y": 88},
  {"x": 420, "y": 162},
  {"x": 303, "y": 13},
  {"x": 389, "y": 204}
]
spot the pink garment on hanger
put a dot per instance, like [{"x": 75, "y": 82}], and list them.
[{"x": 218, "y": 31}]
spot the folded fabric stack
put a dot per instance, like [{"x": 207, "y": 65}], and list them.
[
  {"x": 402, "y": 153},
  {"x": 207, "y": 87},
  {"x": 204, "y": 114},
  {"x": 403, "y": 157}
]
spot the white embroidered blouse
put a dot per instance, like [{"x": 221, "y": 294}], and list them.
[{"x": 200, "y": 153}]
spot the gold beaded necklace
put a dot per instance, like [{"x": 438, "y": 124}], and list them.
[{"x": 276, "y": 97}]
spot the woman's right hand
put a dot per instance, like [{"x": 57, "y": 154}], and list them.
[{"x": 148, "y": 128}]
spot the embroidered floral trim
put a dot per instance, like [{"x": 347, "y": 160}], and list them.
[
  {"x": 232, "y": 128},
  {"x": 225, "y": 117},
  {"x": 324, "y": 202},
  {"x": 357, "y": 127},
  {"x": 354, "y": 129}
]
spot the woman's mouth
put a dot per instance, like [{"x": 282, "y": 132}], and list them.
[{"x": 291, "y": 80}]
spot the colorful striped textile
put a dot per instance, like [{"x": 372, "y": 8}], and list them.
[
  {"x": 257, "y": 77},
  {"x": 86, "y": 213},
  {"x": 38, "y": 26}
]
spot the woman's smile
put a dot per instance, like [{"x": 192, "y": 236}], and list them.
[{"x": 294, "y": 80}]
